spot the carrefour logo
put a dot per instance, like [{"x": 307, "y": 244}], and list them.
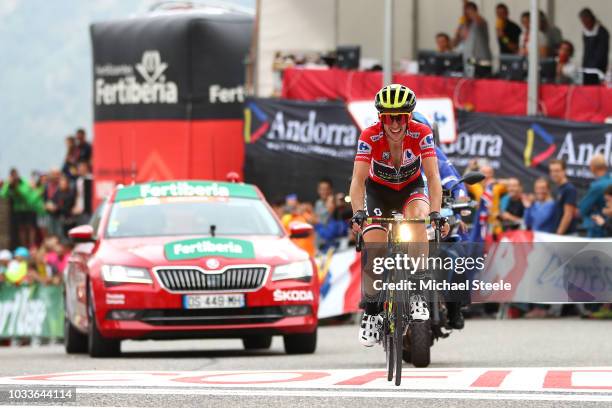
[
  {"x": 427, "y": 142},
  {"x": 364, "y": 148},
  {"x": 152, "y": 86}
]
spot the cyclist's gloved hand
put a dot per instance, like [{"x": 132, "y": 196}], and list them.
[
  {"x": 437, "y": 221},
  {"x": 435, "y": 216},
  {"x": 359, "y": 218}
]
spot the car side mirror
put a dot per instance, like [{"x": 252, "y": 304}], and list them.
[
  {"x": 82, "y": 233},
  {"x": 300, "y": 230}
]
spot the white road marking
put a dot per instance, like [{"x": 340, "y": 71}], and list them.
[{"x": 515, "y": 383}]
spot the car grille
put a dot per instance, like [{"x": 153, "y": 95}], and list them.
[
  {"x": 252, "y": 315},
  {"x": 191, "y": 279}
]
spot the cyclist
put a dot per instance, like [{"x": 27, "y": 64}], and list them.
[{"x": 386, "y": 178}]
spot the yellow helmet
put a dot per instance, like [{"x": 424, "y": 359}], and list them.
[{"x": 395, "y": 97}]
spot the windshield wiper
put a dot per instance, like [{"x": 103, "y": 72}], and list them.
[{"x": 213, "y": 228}]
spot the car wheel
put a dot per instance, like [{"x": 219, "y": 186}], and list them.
[
  {"x": 98, "y": 345},
  {"x": 257, "y": 342},
  {"x": 305, "y": 343},
  {"x": 75, "y": 342}
]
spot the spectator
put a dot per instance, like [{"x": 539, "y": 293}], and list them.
[
  {"x": 39, "y": 182},
  {"x": 511, "y": 205},
  {"x": 22, "y": 218},
  {"x": 508, "y": 32},
  {"x": 492, "y": 186},
  {"x": 72, "y": 157},
  {"x": 552, "y": 32},
  {"x": 299, "y": 212},
  {"x": 82, "y": 209},
  {"x": 60, "y": 208},
  {"x": 525, "y": 36},
  {"x": 540, "y": 208},
  {"x": 565, "y": 204},
  {"x": 566, "y": 69},
  {"x": 476, "y": 43},
  {"x": 83, "y": 147},
  {"x": 17, "y": 270},
  {"x": 461, "y": 31},
  {"x": 5, "y": 258},
  {"x": 325, "y": 189},
  {"x": 596, "y": 46},
  {"x": 604, "y": 220},
  {"x": 330, "y": 232},
  {"x": 593, "y": 202},
  {"x": 40, "y": 271},
  {"x": 443, "y": 43}
]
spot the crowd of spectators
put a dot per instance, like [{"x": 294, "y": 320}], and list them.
[
  {"x": 472, "y": 40},
  {"x": 42, "y": 210},
  {"x": 329, "y": 217},
  {"x": 552, "y": 206}
]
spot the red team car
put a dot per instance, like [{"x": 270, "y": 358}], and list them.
[{"x": 188, "y": 259}]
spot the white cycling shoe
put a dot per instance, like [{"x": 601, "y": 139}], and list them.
[
  {"x": 369, "y": 332},
  {"x": 419, "y": 309}
]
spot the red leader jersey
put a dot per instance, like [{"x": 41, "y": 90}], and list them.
[{"x": 373, "y": 148}]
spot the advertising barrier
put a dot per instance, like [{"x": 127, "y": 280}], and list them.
[
  {"x": 291, "y": 145},
  {"x": 522, "y": 146},
  {"x": 168, "y": 101},
  {"x": 31, "y": 311}
]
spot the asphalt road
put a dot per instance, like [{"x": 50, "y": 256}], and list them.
[{"x": 508, "y": 363}]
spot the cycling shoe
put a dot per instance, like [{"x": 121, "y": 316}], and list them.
[
  {"x": 419, "y": 310},
  {"x": 369, "y": 332}
]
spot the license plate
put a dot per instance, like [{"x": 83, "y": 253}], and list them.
[{"x": 213, "y": 301}]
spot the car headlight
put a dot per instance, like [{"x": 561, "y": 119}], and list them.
[
  {"x": 294, "y": 270},
  {"x": 125, "y": 274}
]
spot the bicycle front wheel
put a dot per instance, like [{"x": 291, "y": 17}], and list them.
[
  {"x": 390, "y": 355},
  {"x": 398, "y": 341}
]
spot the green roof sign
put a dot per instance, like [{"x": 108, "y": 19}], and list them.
[
  {"x": 202, "y": 247},
  {"x": 185, "y": 189}
]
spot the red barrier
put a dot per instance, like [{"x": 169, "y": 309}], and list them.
[{"x": 570, "y": 102}]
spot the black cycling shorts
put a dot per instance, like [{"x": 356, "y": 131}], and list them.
[{"x": 382, "y": 201}]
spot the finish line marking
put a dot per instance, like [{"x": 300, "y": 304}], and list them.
[{"x": 549, "y": 382}]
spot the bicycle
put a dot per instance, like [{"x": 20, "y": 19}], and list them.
[{"x": 396, "y": 319}]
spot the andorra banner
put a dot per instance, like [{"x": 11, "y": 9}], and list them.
[
  {"x": 291, "y": 145},
  {"x": 522, "y": 146}
]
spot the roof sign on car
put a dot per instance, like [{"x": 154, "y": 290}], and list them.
[
  {"x": 203, "y": 247},
  {"x": 185, "y": 189}
]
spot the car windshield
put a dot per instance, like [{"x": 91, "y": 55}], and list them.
[{"x": 190, "y": 216}]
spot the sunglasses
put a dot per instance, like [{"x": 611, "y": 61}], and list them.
[{"x": 389, "y": 118}]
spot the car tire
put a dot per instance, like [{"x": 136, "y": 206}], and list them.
[
  {"x": 303, "y": 343},
  {"x": 75, "y": 342},
  {"x": 98, "y": 345},
  {"x": 262, "y": 342}
]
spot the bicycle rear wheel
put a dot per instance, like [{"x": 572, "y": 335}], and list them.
[{"x": 420, "y": 343}]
